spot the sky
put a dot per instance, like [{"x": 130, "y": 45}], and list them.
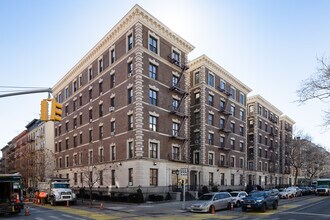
[{"x": 269, "y": 45}]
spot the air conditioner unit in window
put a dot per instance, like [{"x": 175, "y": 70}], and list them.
[
  {"x": 130, "y": 183},
  {"x": 111, "y": 109},
  {"x": 112, "y": 133}
]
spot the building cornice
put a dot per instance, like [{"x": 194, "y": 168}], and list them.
[
  {"x": 218, "y": 70},
  {"x": 265, "y": 103},
  {"x": 136, "y": 14},
  {"x": 287, "y": 119}
]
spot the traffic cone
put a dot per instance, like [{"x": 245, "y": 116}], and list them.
[
  {"x": 38, "y": 201},
  {"x": 27, "y": 212},
  {"x": 212, "y": 210},
  {"x": 101, "y": 206},
  {"x": 67, "y": 204}
]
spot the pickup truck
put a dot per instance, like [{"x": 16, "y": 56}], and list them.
[
  {"x": 322, "y": 190},
  {"x": 260, "y": 200}
]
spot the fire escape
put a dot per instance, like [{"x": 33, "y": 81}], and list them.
[{"x": 182, "y": 93}]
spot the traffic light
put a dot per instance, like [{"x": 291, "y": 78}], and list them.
[
  {"x": 44, "y": 110},
  {"x": 56, "y": 111}
]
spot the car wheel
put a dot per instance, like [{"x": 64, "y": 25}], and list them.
[
  {"x": 263, "y": 207},
  {"x": 243, "y": 209},
  {"x": 275, "y": 205},
  {"x": 52, "y": 202},
  {"x": 238, "y": 203},
  {"x": 229, "y": 206}
]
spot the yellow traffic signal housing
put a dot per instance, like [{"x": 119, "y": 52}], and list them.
[
  {"x": 44, "y": 110},
  {"x": 56, "y": 111}
]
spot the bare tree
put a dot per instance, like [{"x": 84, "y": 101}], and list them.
[
  {"x": 317, "y": 87},
  {"x": 313, "y": 160}
]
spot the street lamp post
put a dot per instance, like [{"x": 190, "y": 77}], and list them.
[{"x": 177, "y": 179}]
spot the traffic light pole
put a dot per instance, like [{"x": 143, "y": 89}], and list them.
[{"x": 49, "y": 90}]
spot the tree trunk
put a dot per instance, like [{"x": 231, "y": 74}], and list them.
[
  {"x": 295, "y": 176},
  {"x": 90, "y": 197}
]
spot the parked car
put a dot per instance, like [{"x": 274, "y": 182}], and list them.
[
  {"x": 238, "y": 197},
  {"x": 297, "y": 190},
  {"x": 214, "y": 200},
  {"x": 286, "y": 193},
  {"x": 261, "y": 200},
  {"x": 322, "y": 190}
]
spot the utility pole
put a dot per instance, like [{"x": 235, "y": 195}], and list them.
[{"x": 49, "y": 90}]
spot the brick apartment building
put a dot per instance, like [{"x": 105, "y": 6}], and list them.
[
  {"x": 217, "y": 125},
  {"x": 265, "y": 154},
  {"x": 125, "y": 108}
]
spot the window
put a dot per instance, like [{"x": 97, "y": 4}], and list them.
[
  {"x": 152, "y": 71},
  {"x": 176, "y": 153},
  {"x": 80, "y": 138},
  {"x": 112, "y": 127},
  {"x": 211, "y": 100},
  {"x": 112, "y": 56},
  {"x": 196, "y": 157},
  {"x": 241, "y": 115},
  {"x": 197, "y": 98},
  {"x": 232, "y": 161},
  {"x": 241, "y": 163},
  {"x": 66, "y": 92},
  {"x": 222, "y": 123},
  {"x": 259, "y": 152},
  {"x": 130, "y": 41},
  {"x": 260, "y": 138},
  {"x": 222, "y": 141},
  {"x": 153, "y": 97},
  {"x": 100, "y": 110},
  {"x": 266, "y": 153},
  {"x": 232, "y": 144},
  {"x": 80, "y": 100},
  {"x": 113, "y": 177},
  {"x": 241, "y": 130},
  {"x": 266, "y": 127},
  {"x": 80, "y": 81},
  {"x": 197, "y": 117},
  {"x": 130, "y": 176},
  {"x": 175, "y": 105},
  {"x": 222, "y": 179},
  {"x": 222, "y": 85},
  {"x": 175, "y": 80},
  {"x": 80, "y": 119},
  {"x": 112, "y": 102},
  {"x": 90, "y": 94},
  {"x": 176, "y": 58},
  {"x": 74, "y": 86},
  {"x": 211, "y": 119},
  {"x": 153, "y": 150},
  {"x": 241, "y": 146},
  {"x": 90, "y": 135},
  {"x": 232, "y": 92},
  {"x": 66, "y": 144},
  {"x": 210, "y": 138},
  {"x": 100, "y": 132},
  {"x": 196, "y": 78},
  {"x": 153, "y": 44},
  {"x": 175, "y": 129},
  {"x": 100, "y": 88},
  {"x": 153, "y": 121},
  {"x": 74, "y": 105},
  {"x": 101, "y": 155},
  {"x": 90, "y": 115},
  {"x": 232, "y": 179},
  {"x": 129, "y": 95},
  {"x": 197, "y": 137},
  {"x": 75, "y": 141},
  {"x": 75, "y": 178},
  {"x": 130, "y": 122},
  {"x": 232, "y": 127},
  {"x": 66, "y": 161},
  {"x": 210, "y": 178},
  {"x": 66, "y": 126},
  {"x": 211, "y": 158},
  {"x": 100, "y": 65},
  {"x": 153, "y": 177},
  {"x": 130, "y": 150},
  {"x": 101, "y": 177},
  {"x": 222, "y": 160},
  {"x": 210, "y": 79},
  {"x": 232, "y": 110},
  {"x": 241, "y": 98},
  {"x": 113, "y": 152},
  {"x": 222, "y": 105},
  {"x": 90, "y": 73},
  {"x": 112, "y": 81},
  {"x": 129, "y": 69},
  {"x": 90, "y": 157}
]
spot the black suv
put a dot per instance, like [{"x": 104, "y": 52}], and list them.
[{"x": 260, "y": 200}]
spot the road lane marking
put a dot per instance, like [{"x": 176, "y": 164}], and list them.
[{"x": 306, "y": 213}]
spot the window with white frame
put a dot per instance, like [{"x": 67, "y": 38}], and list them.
[
  {"x": 210, "y": 79},
  {"x": 176, "y": 153},
  {"x": 175, "y": 129},
  {"x": 153, "y": 123},
  {"x": 100, "y": 64},
  {"x": 232, "y": 92},
  {"x": 153, "y": 150},
  {"x": 153, "y": 44},
  {"x": 196, "y": 78},
  {"x": 211, "y": 158},
  {"x": 113, "y": 152},
  {"x": 130, "y": 149}
]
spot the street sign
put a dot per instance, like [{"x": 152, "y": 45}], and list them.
[{"x": 184, "y": 171}]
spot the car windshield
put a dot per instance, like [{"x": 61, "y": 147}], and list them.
[
  {"x": 234, "y": 194},
  {"x": 61, "y": 185},
  {"x": 322, "y": 186},
  {"x": 257, "y": 194},
  {"x": 205, "y": 197}
]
